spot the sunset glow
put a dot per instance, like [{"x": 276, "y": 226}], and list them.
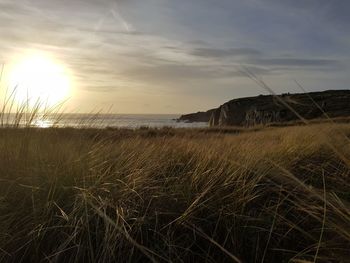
[{"x": 38, "y": 77}]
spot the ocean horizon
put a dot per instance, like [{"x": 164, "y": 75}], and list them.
[{"x": 83, "y": 120}]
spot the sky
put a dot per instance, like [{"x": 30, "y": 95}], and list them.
[{"x": 167, "y": 56}]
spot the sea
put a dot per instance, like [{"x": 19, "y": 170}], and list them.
[{"x": 101, "y": 121}]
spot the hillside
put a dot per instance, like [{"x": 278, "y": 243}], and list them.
[
  {"x": 266, "y": 109},
  {"x": 172, "y": 195}
]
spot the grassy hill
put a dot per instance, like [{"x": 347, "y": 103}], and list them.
[{"x": 209, "y": 195}]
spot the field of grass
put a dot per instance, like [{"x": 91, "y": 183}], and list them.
[{"x": 271, "y": 195}]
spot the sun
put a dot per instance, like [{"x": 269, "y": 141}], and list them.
[{"x": 39, "y": 78}]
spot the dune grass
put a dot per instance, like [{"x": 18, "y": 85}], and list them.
[{"x": 274, "y": 195}]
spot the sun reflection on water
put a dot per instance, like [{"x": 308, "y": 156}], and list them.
[{"x": 43, "y": 123}]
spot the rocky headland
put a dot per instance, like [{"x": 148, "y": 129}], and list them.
[{"x": 266, "y": 109}]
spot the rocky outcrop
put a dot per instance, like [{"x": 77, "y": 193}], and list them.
[
  {"x": 197, "y": 117},
  {"x": 266, "y": 109}
]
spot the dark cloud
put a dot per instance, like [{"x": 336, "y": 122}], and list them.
[
  {"x": 221, "y": 53},
  {"x": 296, "y": 62},
  {"x": 173, "y": 73}
]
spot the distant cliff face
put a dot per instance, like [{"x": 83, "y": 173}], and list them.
[
  {"x": 265, "y": 109},
  {"x": 197, "y": 117}
]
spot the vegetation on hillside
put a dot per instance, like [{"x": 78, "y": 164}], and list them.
[{"x": 274, "y": 195}]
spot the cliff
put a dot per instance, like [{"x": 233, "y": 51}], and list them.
[
  {"x": 197, "y": 117},
  {"x": 265, "y": 109}
]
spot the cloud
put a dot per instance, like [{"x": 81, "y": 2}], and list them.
[
  {"x": 334, "y": 13},
  {"x": 120, "y": 18},
  {"x": 296, "y": 62},
  {"x": 8, "y": 8},
  {"x": 221, "y": 53}
]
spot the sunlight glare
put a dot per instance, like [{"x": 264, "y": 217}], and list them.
[{"x": 38, "y": 77}]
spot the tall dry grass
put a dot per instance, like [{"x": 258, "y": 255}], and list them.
[{"x": 275, "y": 195}]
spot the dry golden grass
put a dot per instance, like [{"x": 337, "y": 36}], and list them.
[{"x": 274, "y": 195}]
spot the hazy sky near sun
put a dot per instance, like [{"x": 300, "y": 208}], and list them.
[{"x": 177, "y": 56}]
